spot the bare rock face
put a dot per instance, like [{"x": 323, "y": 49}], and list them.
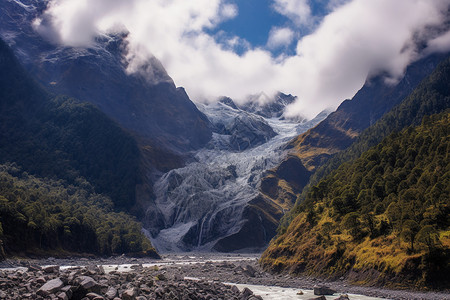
[{"x": 50, "y": 287}]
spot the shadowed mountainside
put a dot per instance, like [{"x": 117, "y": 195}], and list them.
[{"x": 65, "y": 167}]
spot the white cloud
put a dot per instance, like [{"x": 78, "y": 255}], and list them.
[
  {"x": 439, "y": 44},
  {"x": 298, "y": 11},
  {"x": 280, "y": 37},
  {"x": 357, "y": 39}
]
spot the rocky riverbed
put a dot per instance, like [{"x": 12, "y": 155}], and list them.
[{"x": 173, "y": 277}]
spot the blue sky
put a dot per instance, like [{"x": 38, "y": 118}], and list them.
[
  {"x": 254, "y": 21},
  {"x": 256, "y": 18}
]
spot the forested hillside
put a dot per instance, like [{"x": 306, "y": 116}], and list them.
[
  {"x": 67, "y": 170},
  {"x": 60, "y": 137},
  {"x": 39, "y": 216},
  {"x": 432, "y": 96},
  {"x": 383, "y": 218},
  {"x": 315, "y": 148}
]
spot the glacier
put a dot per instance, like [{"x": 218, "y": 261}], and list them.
[{"x": 202, "y": 203}]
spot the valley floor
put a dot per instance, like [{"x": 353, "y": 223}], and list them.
[{"x": 177, "y": 269}]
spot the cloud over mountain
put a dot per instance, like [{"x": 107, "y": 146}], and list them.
[{"x": 357, "y": 39}]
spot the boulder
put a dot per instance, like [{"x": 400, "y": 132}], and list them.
[
  {"x": 246, "y": 292},
  {"x": 89, "y": 284},
  {"x": 323, "y": 290},
  {"x": 62, "y": 296},
  {"x": 67, "y": 290},
  {"x": 343, "y": 297},
  {"x": 94, "y": 296},
  {"x": 130, "y": 294},
  {"x": 111, "y": 293},
  {"x": 51, "y": 269},
  {"x": 255, "y": 297},
  {"x": 319, "y": 298},
  {"x": 50, "y": 287},
  {"x": 235, "y": 289},
  {"x": 249, "y": 271}
]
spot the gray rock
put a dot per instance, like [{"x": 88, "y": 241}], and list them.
[
  {"x": 89, "y": 284},
  {"x": 235, "y": 289},
  {"x": 111, "y": 293},
  {"x": 343, "y": 297},
  {"x": 41, "y": 280},
  {"x": 62, "y": 296},
  {"x": 68, "y": 290},
  {"x": 249, "y": 271},
  {"x": 319, "y": 298},
  {"x": 159, "y": 292},
  {"x": 130, "y": 294},
  {"x": 246, "y": 292},
  {"x": 323, "y": 290},
  {"x": 94, "y": 296},
  {"x": 51, "y": 269},
  {"x": 50, "y": 287}
]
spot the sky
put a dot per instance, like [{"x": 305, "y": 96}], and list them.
[{"x": 320, "y": 51}]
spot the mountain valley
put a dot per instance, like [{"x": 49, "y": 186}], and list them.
[{"x": 101, "y": 158}]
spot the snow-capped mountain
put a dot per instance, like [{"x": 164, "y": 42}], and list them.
[
  {"x": 213, "y": 202},
  {"x": 210, "y": 203}
]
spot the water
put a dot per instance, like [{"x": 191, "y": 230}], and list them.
[{"x": 277, "y": 293}]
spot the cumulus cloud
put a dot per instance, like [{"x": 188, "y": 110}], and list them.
[
  {"x": 357, "y": 39},
  {"x": 298, "y": 11},
  {"x": 280, "y": 37}
]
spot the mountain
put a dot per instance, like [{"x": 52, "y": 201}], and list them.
[
  {"x": 381, "y": 217},
  {"x": 145, "y": 102},
  {"x": 214, "y": 203},
  {"x": 312, "y": 149},
  {"x": 267, "y": 107},
  {"x": 197, "y": 173},
  {"x": 342, "y": 127},
  {"x": 65, "y": 168}
]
